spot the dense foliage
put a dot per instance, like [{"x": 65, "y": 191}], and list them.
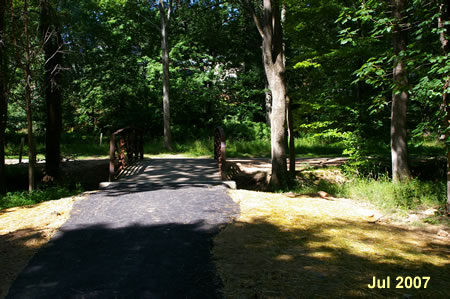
[{"x": 339, "y": 59}]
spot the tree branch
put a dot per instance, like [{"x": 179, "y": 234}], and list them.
[
  {"x": 251, "y": 10},
  {"x": 169, "y": 11},
  {"x": 16, "y": 47}
]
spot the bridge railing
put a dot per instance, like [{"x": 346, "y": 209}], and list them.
[
  {"x": 126, "y": 145},
  {"x": 219, "y": 149}
]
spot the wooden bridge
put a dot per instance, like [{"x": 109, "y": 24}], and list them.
[{"x": 128, "y": 166}]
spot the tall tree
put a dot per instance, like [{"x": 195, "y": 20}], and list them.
[
  {"x": 52, "y": 46},
  {"x": 3, "y": 95},
  {"x": 271, "y": 33},
  {"x": 444, "y": 27},
  {"x": 165, "y": 19},
  {"x": 399, "y": 145},
  {"x": 289, "y": 114},
  {"x": 26, "y": 65}
]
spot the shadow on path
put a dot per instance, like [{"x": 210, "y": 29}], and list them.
[{"x": 148, "y": 244}]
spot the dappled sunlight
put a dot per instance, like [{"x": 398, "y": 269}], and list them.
[
  {"x": 168, "y": 171},
  {"x": 286, "y": 247}
]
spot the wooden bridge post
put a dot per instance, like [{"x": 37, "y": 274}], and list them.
[
  {"x": 129, "y": 148},
  {"x": 141, "y": 145},
  {"x": 112, "y": 157},
  {"x": 219, "y": 150}
]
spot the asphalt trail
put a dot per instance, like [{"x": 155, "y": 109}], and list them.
[{"x": 127, "y": 242}]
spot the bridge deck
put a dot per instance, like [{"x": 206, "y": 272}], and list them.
[{"x": 172, "y": 171}]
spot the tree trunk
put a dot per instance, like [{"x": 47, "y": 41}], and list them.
[
  {"x": 274, "y": 68},
  {"x": 31, "y": 150},
  {"x": 165, "y": 63},
  {"x": 443, "y": 23},
  {"x": 447, "y": 121},
  {"x": 52, "y": 45},
  {"x": 3, "y": 97},
  {"x": 399, "y": 146},
  {"x": 27, "y": 70},
  {"x": 273, "y": 58},
  {"x": 267, "y": 98},
  {"x": 290, "y": 123},
  {"x": 289, "y": 116},
  {"x": 278, "y": 129},
  {"x": 268, "y": 103}
]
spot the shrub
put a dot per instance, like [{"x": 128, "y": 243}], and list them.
[
  {"x": 406, "y": 195},
  {"x": 16, "y": 199},
  {"x": 246, "y": 130}
]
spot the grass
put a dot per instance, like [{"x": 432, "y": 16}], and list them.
[
  {"x": 24, "y": 156},
  {"x": 248, "y": 149},
  {"x": 305, "y": 146},
  {"x": 315, "y": 146},
  {"x": 17, "y": 199},
  {"x": 428, "y": 147},
  {"x": 71, "y": 148},
  {"x": 382, "y": 192},
  {"x": 86, "y": 149},
  {"x": 194, "y": 148},
  {"x": 310, "y": 247},
  {"x": 388, "y": 195},
  {"x": 204, "y": 148},
  {"x": 17, "y": 184}
]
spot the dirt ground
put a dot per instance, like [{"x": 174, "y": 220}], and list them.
[
  {"x": 23, "y": 230},
  {"x": 304, "y": 246},
  {"x": 254, "y": 174},
  {"x": 291, "y": 245}
]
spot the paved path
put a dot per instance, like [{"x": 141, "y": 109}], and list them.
[
  {"x": 172, "y": 171},
  {"x": 134, "y": 241}
]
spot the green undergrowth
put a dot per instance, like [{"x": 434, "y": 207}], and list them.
[
  {"x": 194, "y": 148},
  {"x": 79, "y": 147},
  {"x": 80, "y": 150},
  {"x": 427, "y": 147},
  {"x": 304, "y": 146},
  {"x": 84, "y": 148},
  {"x": 413, "y": 195},
  {"x": 381, "y": 191},
  {"x": 24, "y": 198},
  {"x": 71, "y": 148}
]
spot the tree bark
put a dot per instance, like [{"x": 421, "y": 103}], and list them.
[
  {"x": 290, "y": 123},
  {"x": 399, "y": 146},
  {"x": 27, "y": 70},
  {"x": 267, "y": 97},
  {"x": 443, "y": 24},
  {"x": 273, "y": 59},
  {"x": 165, "y": 62},
  {"x": 3, "y": 96},
  {"x": 289, "y": 116},
  {"x": 52, "y": 45},
  {"x": 268, "y": 103},
  {"x": 274, "y": 68}
]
